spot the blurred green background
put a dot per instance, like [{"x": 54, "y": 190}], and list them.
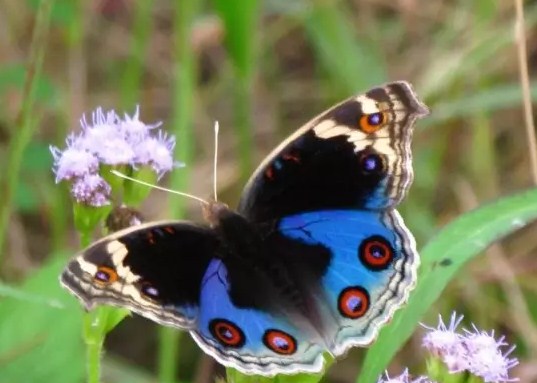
[{"x": 262, "y": 69}]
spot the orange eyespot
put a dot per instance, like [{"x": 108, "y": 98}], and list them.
[
  {"x": 105, "y": 275},
  {"x": 370, "y": 123},
  {"x": 227, "y": 333},
  {"x": 376, "y": 253},
  {"x": 280, "y": 342},
  {"x": 353, "y": 302}
]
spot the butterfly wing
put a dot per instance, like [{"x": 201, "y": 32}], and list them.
[
  {"x": 176, "y": 274},
  {"x": 372, "y": 269},
  {"x": 153, "y": 269},
  {"x": 333, "y": 185},
  {"x": 248, "y": 339},
  {"x": 355, "y": 155}
]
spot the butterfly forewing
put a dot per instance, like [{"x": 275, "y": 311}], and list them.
[
  {"x": 153, "y": 269},
  {"x": 355, "y": 155}
]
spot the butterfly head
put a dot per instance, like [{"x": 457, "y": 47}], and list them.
[{"x": 214, "y": 211}]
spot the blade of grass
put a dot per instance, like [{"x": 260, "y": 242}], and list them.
[
  {"x": 7, "y": 291},
  {"x": 240, "y": 21},
  {"x": 459, "y": 59},
  {"x": 134, "y": 67},
  {"x": 520, "y": 34},
  {"x": 354, "y": 65},
  {"x": 489, "y": 99},
  {"x": 23, "y": 126},
  {"x": 73, "y": 104},
  {"x": 442, "y": 257},
  {"x": 182, "y": 120}
]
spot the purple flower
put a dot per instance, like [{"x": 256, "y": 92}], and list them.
[
  {"x": 156, "y": 152},
  {"x": 134, "y": 129},
  {"x": 477, "y": 352},
  {"x": 91, "y": 190},
  {"x": 73, "y": 162},
  {"x": 109, "y": 140},
  {"x": 404, "y": 378},
  {"x": 487, "y": 359},
  {"x": 445, "y": 343}
]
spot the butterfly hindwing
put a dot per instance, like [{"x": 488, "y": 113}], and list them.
[
  {"x": 153, "y": 269},
  {"x": 355, "y": 155},
  {"x": 249, "y": 339},
  {"x": 372, "y": 269}
]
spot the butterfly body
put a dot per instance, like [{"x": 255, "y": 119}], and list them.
[{"x": 314, "y": 260}]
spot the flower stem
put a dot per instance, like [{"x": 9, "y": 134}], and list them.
[
  {"x": 24, "y": 125},
  {"x": 94, "y": 347},
  {"x": 93, "y": 330}
]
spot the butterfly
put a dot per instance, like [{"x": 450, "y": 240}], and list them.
[{"x": 315, "y": 258}]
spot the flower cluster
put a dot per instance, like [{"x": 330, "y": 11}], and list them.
[
  {"x": 476, "y": 352},
  {"x": 114, "y": 141},
  {"x": 404, "y": 378}
]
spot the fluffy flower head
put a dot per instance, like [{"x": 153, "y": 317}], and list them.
[
  {"x": 110, "y": 140},
  {"x": 403, "y": 378},
  {"x": 477, "y": 352}
]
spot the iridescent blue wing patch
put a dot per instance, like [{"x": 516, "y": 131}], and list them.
[
  {"x": 372, "y": 269},
  {"x": 251, "y": 340}
]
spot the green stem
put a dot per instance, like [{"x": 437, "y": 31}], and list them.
[
  {"x": 94, "y": 334},
  {"x": 184, "y": 88},
  {"x": 93, "y": 330},
  {"x": 134, "y": 68},
  {"x": 183, "y": 98},
  {"x": 243, "y": 124},
  {"x": 169, "y": 339},
  {"x": 23, "y": 126},
  {"x": 57, "y": 197}
]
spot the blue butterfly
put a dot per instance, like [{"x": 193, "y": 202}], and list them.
[{"x": 315, "y": 259}]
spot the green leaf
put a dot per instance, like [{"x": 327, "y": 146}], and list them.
[
  {"x": 41, "y": 342},
  {"x": 442, "y": 257},
  {"x": 487, "y": 100},
  {"x": 20, "y": 294},
  {"x": 237, "y": 377}
]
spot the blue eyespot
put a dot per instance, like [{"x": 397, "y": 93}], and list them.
[
  {"x": 150, "y": 290},
  {"x": 375, "y": 119},
  {"x": 371, "y": 163}
]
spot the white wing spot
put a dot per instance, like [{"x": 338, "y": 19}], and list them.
[
  {"x": 368, "y": 105},
  {"x": 117, "y": 250}
]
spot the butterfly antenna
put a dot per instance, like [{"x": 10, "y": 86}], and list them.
[
  {"x": 121, "y": 175},
  {"x": 216, "y": 130}
]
